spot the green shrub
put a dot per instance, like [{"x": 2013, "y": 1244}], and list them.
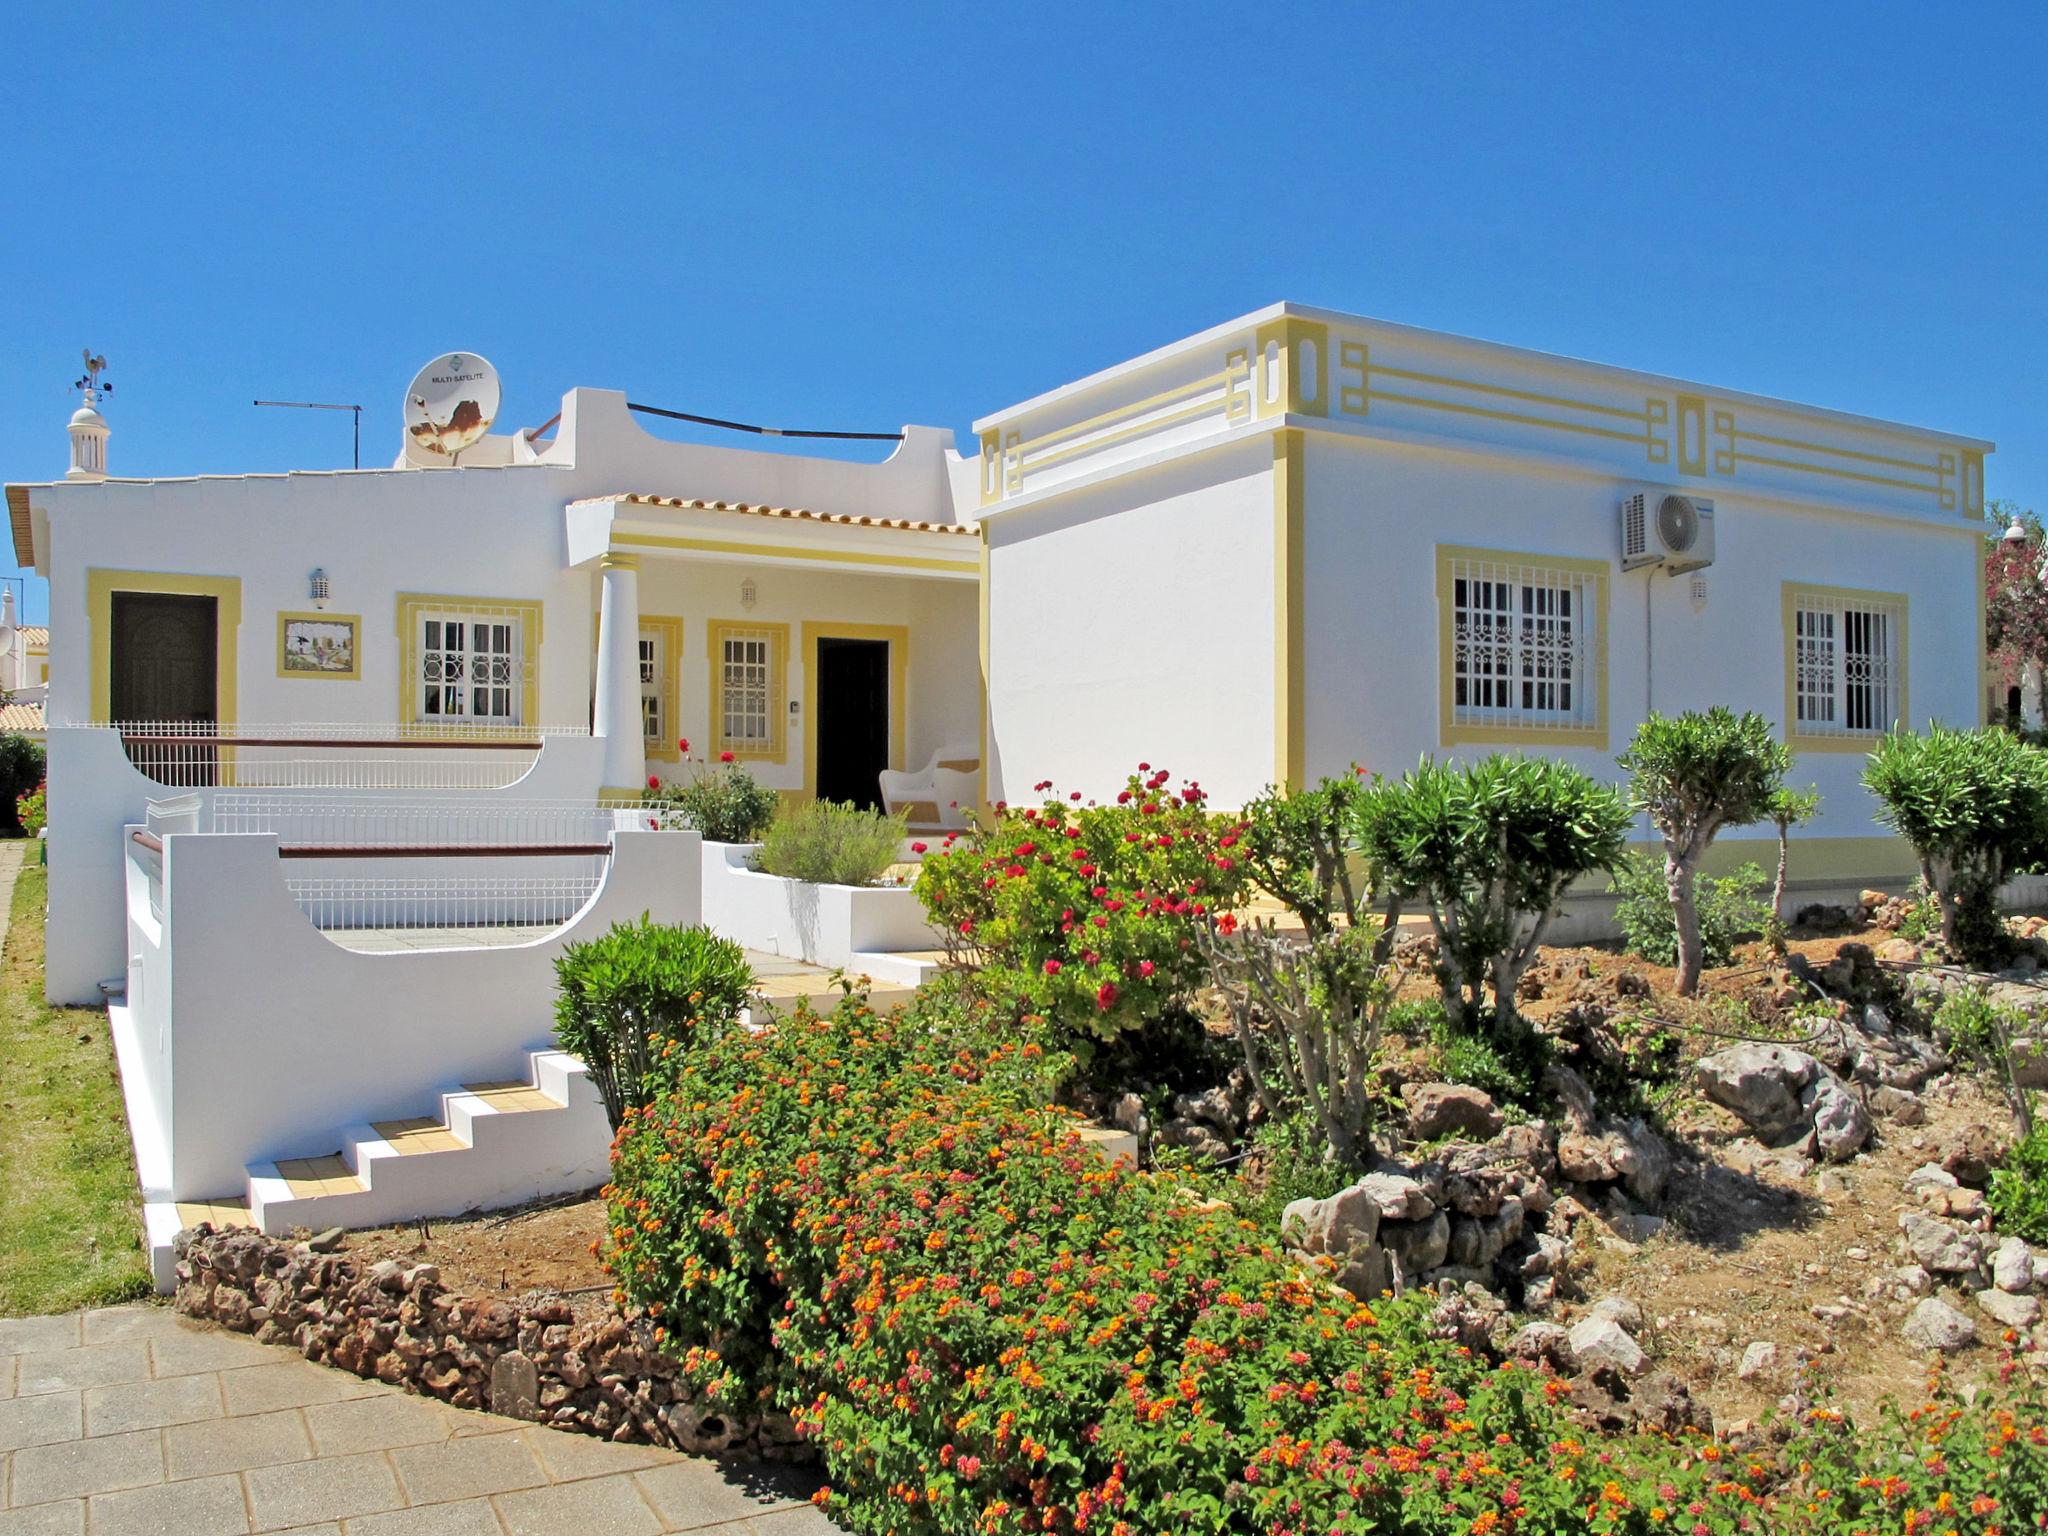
[
  {"x": 984, "y": 1328},
  {"x": 1508, "y": 1067},
  {"x": 32, "y": 810},
  {"x": 825, "y": 843},
  {"x": 1085, "y": 915},
  {"x": 2019, "y": 1191},
  {"x": 627, "y": 1000},
  {"x": 1491, "y": 850},
  {"x": 1974, "y": 805},
  {"x": 1732, "y": 908},
  {"x": 724, "y": 803},
  {"x": 1695, "y": 775},
  {"x": 21, "y": 773}
]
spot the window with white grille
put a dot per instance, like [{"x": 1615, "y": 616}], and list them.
[
  {"x": 749, "y": 704},
  {"x": 471, "y": 666},
  {"x": 1846, "y": 662},
  {"x": 1524, "y": 644},
  {"x": 654, "y": 667}
]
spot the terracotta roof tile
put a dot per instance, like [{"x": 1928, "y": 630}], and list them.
[
  {"x": 34, "y": 634},
  {"x": 21, "y": 717},
  {"x": 844, "y": 519}
]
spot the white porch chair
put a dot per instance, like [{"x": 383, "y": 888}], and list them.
[{"x": 940, "y": 794}]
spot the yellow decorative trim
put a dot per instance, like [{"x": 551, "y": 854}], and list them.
[
  {"x": 982, "y": 676},
  {"x": 898, "y": 637},
  {"x": 1973, "y": 484},
  {"x": 991, "y": 467},
  {"x": 670, "y": 628},
  {"x": 100, "y": 587},
  {"x": 791, "y": 552},
  {"x": 526, "y": 611},
  {"x": 1692, "y": 435},
  {"x": 1300, "y": 352},
  {"x": 1290, "y": 732},
  {"x": 1355, "y": 357},
  {"x": 1450, "y": 730},
  {"x": 354, "y": 620},
  {"x": 777, "y": 749},
  {"x": 1891, "y": 602},
  {"x": 1812, "y": 860},
  {"x": 615, "y": 560}
]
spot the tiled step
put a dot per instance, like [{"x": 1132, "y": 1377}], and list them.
[{"x": 494, "y": 1143}]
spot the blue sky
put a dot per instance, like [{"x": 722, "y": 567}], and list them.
[{"x": 859, "y": 216}]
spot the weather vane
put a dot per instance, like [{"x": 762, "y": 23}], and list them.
[{"x": 89, "y": 382}]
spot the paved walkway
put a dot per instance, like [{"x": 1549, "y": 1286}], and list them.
[
  {"x": 132, "y": 1420},
  {"x": 13, "y": 854}
]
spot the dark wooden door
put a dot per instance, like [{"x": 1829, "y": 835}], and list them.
[
  {"x": 853, "y": 720},
  {"x": 162, "y": 662}
]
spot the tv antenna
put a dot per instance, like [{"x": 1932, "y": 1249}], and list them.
[{"x": 322, "y": 405}]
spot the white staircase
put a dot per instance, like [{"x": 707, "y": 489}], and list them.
[{"x": 492, "y": 1144}]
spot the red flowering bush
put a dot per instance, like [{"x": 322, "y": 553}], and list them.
[
  {"x": 987, "y": 1329},
  {"x": 1085, "y": 914}
]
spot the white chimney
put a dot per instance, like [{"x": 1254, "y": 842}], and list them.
[
  {"x": 88, "y": 426},
  {"x": 88, "y": 442}
]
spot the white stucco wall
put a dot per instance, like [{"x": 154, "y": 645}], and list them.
[
  {"x": 1134, "y": 622},
  {"x": 1375, "y": 513}
]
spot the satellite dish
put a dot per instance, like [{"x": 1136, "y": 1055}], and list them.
[{"x": 451, "y": 404}]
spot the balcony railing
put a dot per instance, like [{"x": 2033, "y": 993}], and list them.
[{"x": 205, "y": 755}]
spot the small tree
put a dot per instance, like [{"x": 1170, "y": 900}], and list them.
[
  {"x": 2015, "y": 596},
  {"x": 1491, "y": 849},
  {"x": 1789, "y": 808},
  {"x": 1974, "y": 806},
  {"x": 1694, "y": 774},
  {"x": 1308, "y": 1007}
]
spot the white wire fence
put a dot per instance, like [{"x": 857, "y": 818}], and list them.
[
  {"x": 480, "y": 908},
  {"x": 312, "y": 827}
]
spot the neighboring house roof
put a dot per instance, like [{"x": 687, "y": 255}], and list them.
[
  {"x": 21, "y": 717},
  {"x": 24, "y": 529},
  {"x": 34, "y": 637},
  {"x": 750, "y": 510}
]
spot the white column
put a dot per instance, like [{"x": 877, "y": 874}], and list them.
[
  {"x": 618, "y": 673},
  {"x": 2030, "y": 696}
]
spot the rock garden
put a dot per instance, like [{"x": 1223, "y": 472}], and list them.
[{"x": 1432, "y": 1226}]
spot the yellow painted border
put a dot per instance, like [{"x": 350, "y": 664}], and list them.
[
  {"x": 671, "y": 628},
  {"x": 1861, "y": 741},
  {"x": 100, "y": 587},
  {"x": 790, "y": 552},
  {"x": 1290, "y": 725},
  {"x": 982, "y": 619},
  {"x": 1455, "y": 735},
  {"x": 898, "y": 636},
  {"x": 409, "y": 605},
  {"x": 354, "y": 674},
  {"x": 777, "y": 750}
]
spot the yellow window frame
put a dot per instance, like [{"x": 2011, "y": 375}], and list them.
[
  {"x": 1894, "y": 603},
  {"x": 1456, "y": 733},
  {"x": 526, "y": 612},
  {"x": 776, "y": 750}
]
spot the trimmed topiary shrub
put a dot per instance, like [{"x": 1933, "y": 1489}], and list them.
[
  {"x": 1974, "y": 805},
  {"x": 628, "y": 999}
]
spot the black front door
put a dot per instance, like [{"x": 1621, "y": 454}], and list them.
[
  {"x": 853, "y": 720},
  {"x": 162, "y": 665}
]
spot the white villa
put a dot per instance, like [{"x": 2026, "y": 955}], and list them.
[{"x": 1295, "y": 541}]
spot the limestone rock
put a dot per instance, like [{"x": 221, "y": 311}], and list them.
[
  {"x": 1841, "y": 1125},
  {"x": 1934, "y": 1324},
  {"x": 1761, "y": 1084},
  {"x": 1338, "y": 1226},
  {"x": 1760, "y": 1359},
  {"x": 1600, "y": 1343},
  {"x": 1941, "y": 1246},
  {"x": 1437, "y": 1110},
  {"x": 2007, "y": 1310},
  {"x": 1618, "y": 1309},
  {"x": 1417, "y": 1246},
  {"x": 2012, "y": 1266},
  {"x": 1974, "y": 1151},
  {"x": 1399, "y": 1196},
  {"x": 1544, "y": 1342}
]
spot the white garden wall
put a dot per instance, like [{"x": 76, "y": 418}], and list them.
[
  {"x": 251, "y": 1036},
  {"x": 855, "y": 928}
]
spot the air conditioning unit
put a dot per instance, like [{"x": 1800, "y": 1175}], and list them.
[{"x": 1668, "y": 529}]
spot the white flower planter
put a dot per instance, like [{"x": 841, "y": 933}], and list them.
[{"x": 861, "y": 928}]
